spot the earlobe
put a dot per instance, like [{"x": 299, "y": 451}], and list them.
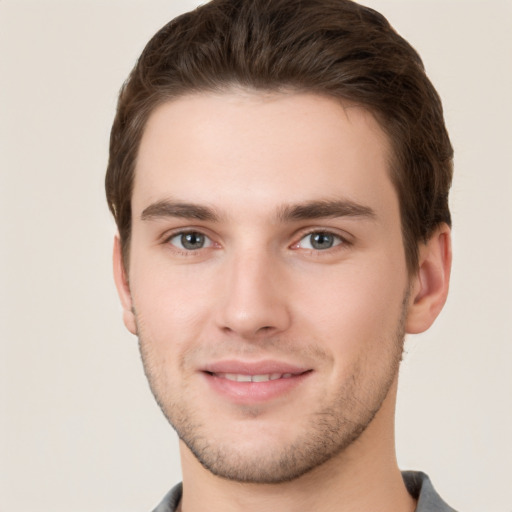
[
  {"x": 123, "y": 288},
  {"x": 429, "y": 288}
]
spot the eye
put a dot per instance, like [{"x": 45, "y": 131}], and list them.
[
  {"x": 319, "y": 241},
  {"x": 190, "y": 241}
]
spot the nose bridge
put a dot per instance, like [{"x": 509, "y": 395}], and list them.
[{"x": 254, "y": 301}]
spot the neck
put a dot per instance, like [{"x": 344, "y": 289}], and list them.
[{"x": 365, "y": 476}]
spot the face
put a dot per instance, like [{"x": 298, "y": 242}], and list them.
[{"x": 267, "y": 277}]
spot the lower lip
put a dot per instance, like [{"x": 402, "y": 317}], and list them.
[{"x": 251, "y": 392}]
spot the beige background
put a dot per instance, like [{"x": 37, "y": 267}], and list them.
[{"x": 79, "y": 429}]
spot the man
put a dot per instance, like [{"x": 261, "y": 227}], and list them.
[{"x": 279, "y": 174}]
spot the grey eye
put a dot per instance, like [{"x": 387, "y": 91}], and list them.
[
  {"x": 190, "y": 241},
  {"x": 320, "y": 240}
]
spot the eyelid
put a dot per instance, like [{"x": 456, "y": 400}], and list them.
[
  {"x": 169, "y": 235},
  {"x": 183, "y": 230},
  {"x": 344, "y": 239},
  {"x": 208, "y": 241}
]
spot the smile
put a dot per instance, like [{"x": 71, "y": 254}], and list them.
[
  {"x": 239, "y": 377},
  {"x": 249, "y": 383}
]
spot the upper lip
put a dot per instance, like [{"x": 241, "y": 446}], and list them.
[{"x": 254, "y": 368}]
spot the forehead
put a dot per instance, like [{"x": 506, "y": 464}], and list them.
[{"x": 240, "y": 148}]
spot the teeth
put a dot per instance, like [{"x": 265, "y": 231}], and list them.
[
  {"x": 260, "y": 378},
  {"x": 237, "y": 377}
]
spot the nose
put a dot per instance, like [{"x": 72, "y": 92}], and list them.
[{"x": 253, "y": 304}]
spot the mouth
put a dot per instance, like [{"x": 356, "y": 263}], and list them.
[
  {"x": 244, "y": 383},
  {"x": 242, "y": 377}
]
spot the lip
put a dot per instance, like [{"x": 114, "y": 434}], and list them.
[
  {"x": 253, "y": 367},
  {"x": 220, "y": 377}
]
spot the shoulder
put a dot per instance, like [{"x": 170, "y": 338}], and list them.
[
  {"x": 170, "y": 500},
  {"x": 420, "y": 487},
  {"x": 418, "y": 484}
]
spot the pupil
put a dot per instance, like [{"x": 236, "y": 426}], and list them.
[
  {"x": 322, "y": 241},
  {"x": 192, "y": 240}
]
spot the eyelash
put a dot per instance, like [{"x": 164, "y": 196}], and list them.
[
  {"x": 184, "y": 251},
  {"x": 340, "y": 242}
]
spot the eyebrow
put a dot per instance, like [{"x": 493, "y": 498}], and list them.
[
  {"x": 324, "y": 209},
  {"x": 166, "y": 208},
  {"x": 286, "y": 213}
]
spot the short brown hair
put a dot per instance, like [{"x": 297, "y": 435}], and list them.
[{"x": 336, "y": 48}]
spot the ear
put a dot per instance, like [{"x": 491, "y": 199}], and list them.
[
  {"x": 123, "y": 287},
  {"x": 429, "y": 287}
]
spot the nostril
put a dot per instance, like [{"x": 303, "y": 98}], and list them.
[{"x": 265, "y": 329}]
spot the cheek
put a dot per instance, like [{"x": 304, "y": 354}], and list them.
[
  {"x": 355, "y": 307},
  {"x": 171, "y": 303}
]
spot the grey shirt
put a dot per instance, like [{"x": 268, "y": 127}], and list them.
[{"x": 418, "y": 484}]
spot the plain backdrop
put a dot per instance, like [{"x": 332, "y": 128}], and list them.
[{"x": 79, "y": 428}]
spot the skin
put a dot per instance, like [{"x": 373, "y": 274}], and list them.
[{"x": 247, "y": 174}]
